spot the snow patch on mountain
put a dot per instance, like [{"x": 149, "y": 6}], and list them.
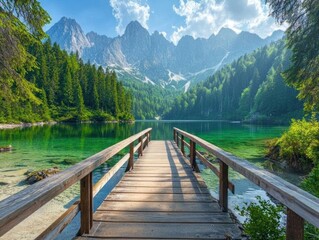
[
  {"x": 175, "y": 77},
  {"x": 186, "y": 86},
  {"x": 147, "y": 80}
]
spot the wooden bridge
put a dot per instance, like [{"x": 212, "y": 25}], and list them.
[{"x": 161, "y": 195}]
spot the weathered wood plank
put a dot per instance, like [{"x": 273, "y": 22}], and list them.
[
  {"x": 159, "y": 207},
  {"x": 159, "y": 184},
  {"x": 166, "y": 230},
  {"x": 159, "y": 190},
  {"x": 149, "y": 197},
  {"x": 57, "y": 226},
  {"x": 159, "y": 179},
  {"x": 161, "y": 170},
  {"x": 161, "y": 217}
]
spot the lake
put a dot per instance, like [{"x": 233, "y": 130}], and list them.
[{"x": 63, "y": 145}]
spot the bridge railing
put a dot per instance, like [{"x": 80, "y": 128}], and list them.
[
  {"x": 19, "y": 206},
  {"x": 300, "y": 204}
]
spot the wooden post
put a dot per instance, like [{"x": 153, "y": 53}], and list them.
[
  {"x": 130, "y": 164},
  {"x": 295, "y": 226},
  {"x": 174, "y": 135},
  {"x": 182, "y": 145},
  {"x": 177, "y": 140},
  {"x": 86, "y": 204},
  {"x": 223, "y": 186},
  {"x": 192, "y": 149},
  {"x": 192, "y": 155},
  {"x": 140, "y": 150}
]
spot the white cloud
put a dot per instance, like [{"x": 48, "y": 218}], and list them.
[
  {"x": 205, "y": 17},
  {"x": 126, "y": 11}
]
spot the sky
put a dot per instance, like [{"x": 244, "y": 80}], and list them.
[{"x": 172, "y": 18}]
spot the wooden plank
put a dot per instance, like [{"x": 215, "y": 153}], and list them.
[
  {"x": 159, "y": 184},
  {"x": 161, "y": 217},
  {"x": 159, "y": 190},
  {"x": 207, "y": 163},
  {"x": 159, "y": 179},
  {"x": 57, "y": 226},
  {"x": 17, "y": 207},
  {"x": 144, "y": 197},
  {"x": 106, "y": 177},
  {"x": 161, "y": 170},
  {"x": 166, "y": 230},
  {"x": 152, "y": 174},
  {"x": 159, "y": 207},
  {"x": 298, "y": 200}
]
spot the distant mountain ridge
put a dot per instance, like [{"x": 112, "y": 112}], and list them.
[{"x": 151, "y": 58}]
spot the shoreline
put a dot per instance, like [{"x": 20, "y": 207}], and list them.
[
  {"x": 4, "y": 126},
  {"x": 23, "y": 125}
]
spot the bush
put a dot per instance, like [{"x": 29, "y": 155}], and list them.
[
  {"x": 262, "y": 220},
  {"x": 125, "y": 116},
  {"x": 100, "y": 116},
  {"x": 299, "y": 146},
  {"x": 311, "y": 184}
]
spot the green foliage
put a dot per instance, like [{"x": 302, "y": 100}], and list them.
[
  {"x": 71, "y": 90},
  {"x": 299, "y": 145},
  {"x": 311, "y": 183},
  {"x": 262, "y": 220},
  {"x": 250, "y": 88},
  {"x": 148, "y": 101},
  {"x": 20, "y": 25},
  {"x": 302, "y": 18}
]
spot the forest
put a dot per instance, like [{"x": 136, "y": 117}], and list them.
[
  {"x": 149, "y": 102},
  {"x": 66, "y": 89},
  {"x": 250, "y": 89}
]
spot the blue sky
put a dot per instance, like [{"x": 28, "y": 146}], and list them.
[{"x": 174, "y": 18}]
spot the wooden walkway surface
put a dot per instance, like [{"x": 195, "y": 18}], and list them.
[{"x": 161, "y": 198}]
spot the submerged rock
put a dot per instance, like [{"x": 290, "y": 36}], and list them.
[
  {"x": 36, "y": 176},
  {"x": 5, "y": 148}
]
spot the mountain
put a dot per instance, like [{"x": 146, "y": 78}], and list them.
[
  {"x": 68, "y": 34},
  {"x": 250, "y": 89},
  {"x": 151, "y": 58}
]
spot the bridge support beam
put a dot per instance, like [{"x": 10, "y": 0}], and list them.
[
  {"x": 130, "y": 164},
  {"x": 183, "y": 145},
  {"x": 295, "y": 226},
  {"x": 223, "y": 186},
  {"x": 86, "y": 204}
]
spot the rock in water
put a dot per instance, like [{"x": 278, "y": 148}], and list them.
[
  {"x": 36, "y": 176},
  {"x": 5, "y": 148}
]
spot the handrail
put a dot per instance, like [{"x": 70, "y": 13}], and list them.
[
  {"x": 301, "y": 204},
  {"x": 19, "y": 206}
]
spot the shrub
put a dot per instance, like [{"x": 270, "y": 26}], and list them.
[
  {"x": 299, "y": 145},
  {"x": 262, "y": 220}
]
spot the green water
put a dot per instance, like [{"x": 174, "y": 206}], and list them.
[{"x": 65, "y": 144}]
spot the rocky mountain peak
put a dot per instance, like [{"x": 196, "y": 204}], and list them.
[{"x": 69, "y": 35}]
